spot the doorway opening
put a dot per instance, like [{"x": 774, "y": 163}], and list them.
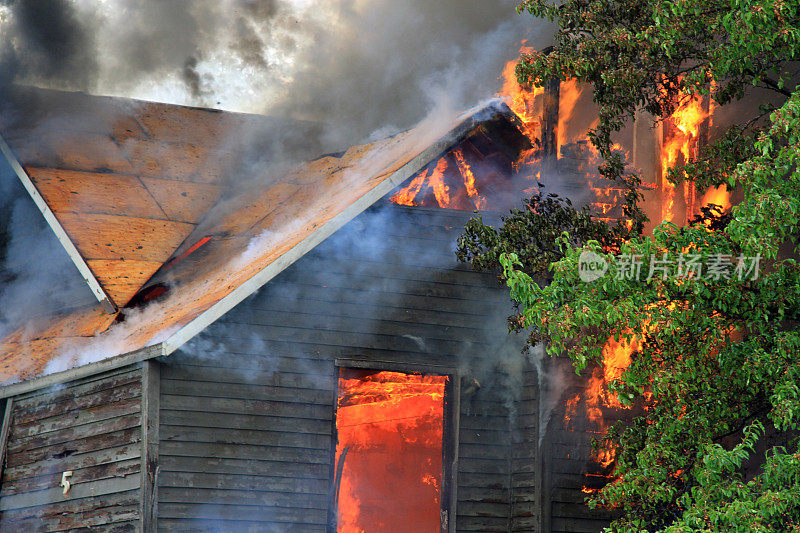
[{"x": 392, "y": 452}]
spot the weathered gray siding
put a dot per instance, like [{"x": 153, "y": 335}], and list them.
[
  {"x": 247, "y": 408},
  {"x": 91, "y": 427},
  {"x": 526, "y": 472},
  {"x": 241, "y": 448}
]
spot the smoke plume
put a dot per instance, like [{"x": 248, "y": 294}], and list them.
[{"x": 362, "y": 68}]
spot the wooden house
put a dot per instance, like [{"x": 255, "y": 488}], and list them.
[{"x": 301, "y": 355}]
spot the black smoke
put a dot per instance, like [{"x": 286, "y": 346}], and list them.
[{"x": 46, "y": 39}]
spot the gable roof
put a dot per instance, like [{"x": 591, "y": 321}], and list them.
[
  {"x": 113, "y": 168},
  {"x": 121, "y": 212}
]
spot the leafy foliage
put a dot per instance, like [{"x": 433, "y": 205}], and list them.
[
  {"x": 531, "y": 233},
  {"x": 718, "y": 365}
]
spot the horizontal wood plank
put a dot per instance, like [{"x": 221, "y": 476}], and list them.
[
  {"x": 248, "y": 407},
  {"x": 242, "y": 513},
  {"x": 245, "y": 452},
  {"x": 243, "y": 482},
  {"x": 250, "y": 497},
  {"x": 106, "y": 456},
  {"x": 243, "y": 422},
  {"x": 283, "y": 437},
  {"x": 261, "y": 466},
  {"x": 210, "y": 389},
  {"x": 80, "y": 475}
]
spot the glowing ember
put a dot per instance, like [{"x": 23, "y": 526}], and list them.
[{"x": 390, "y": 429}]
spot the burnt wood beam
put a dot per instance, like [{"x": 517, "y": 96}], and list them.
[{"x": 550, "y": 118}]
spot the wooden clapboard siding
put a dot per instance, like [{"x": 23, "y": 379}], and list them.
[
  {"x": 484, "y": 488},
  {"x": 91, "y": 427},
  {"x": 248, "y": 405},
  {"x": 249, "y": 451},
  {"x": 526, "y": 477}
]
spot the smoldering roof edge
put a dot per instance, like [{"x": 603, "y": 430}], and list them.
[{"x": 78, "y": 372}]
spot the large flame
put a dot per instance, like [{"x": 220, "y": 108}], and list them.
[
  {"x": 597, "y": 398},
  {"x": 526, "y": 102},
  {"x": 568, "y": 94},
  {"x": 452, "y": 182},
  {"x": 680, "y": 146},
  {"x": 681, "y": 142},
  {"x": 718, "y": 196},
  {"x": 391, "y": 426},
  {"x": 469, "y": 179}
]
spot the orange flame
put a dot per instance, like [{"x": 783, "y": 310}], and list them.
[
  {"x": 597, "y": 397},
  {"x": 680, "y": 145},
  {"x": 568, "y": 95},
  {"x": 719, "y": 196},
  {"x": 525, "y": 102},
  {"x": 572, "y": 408},
  {"x": 436, "y": 181},
  {"x": 406, "y": 195},
  {"x": 469, "y": 179},
  {"x": 452, "y": 169},
  {"x": 453, "y": 183},
  {"x": 392, "y": 427}
]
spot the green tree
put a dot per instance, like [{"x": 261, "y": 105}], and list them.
[{"x": 718, "y": 368}]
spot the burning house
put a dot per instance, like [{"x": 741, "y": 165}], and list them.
[{"x": 299, "y": 353}]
